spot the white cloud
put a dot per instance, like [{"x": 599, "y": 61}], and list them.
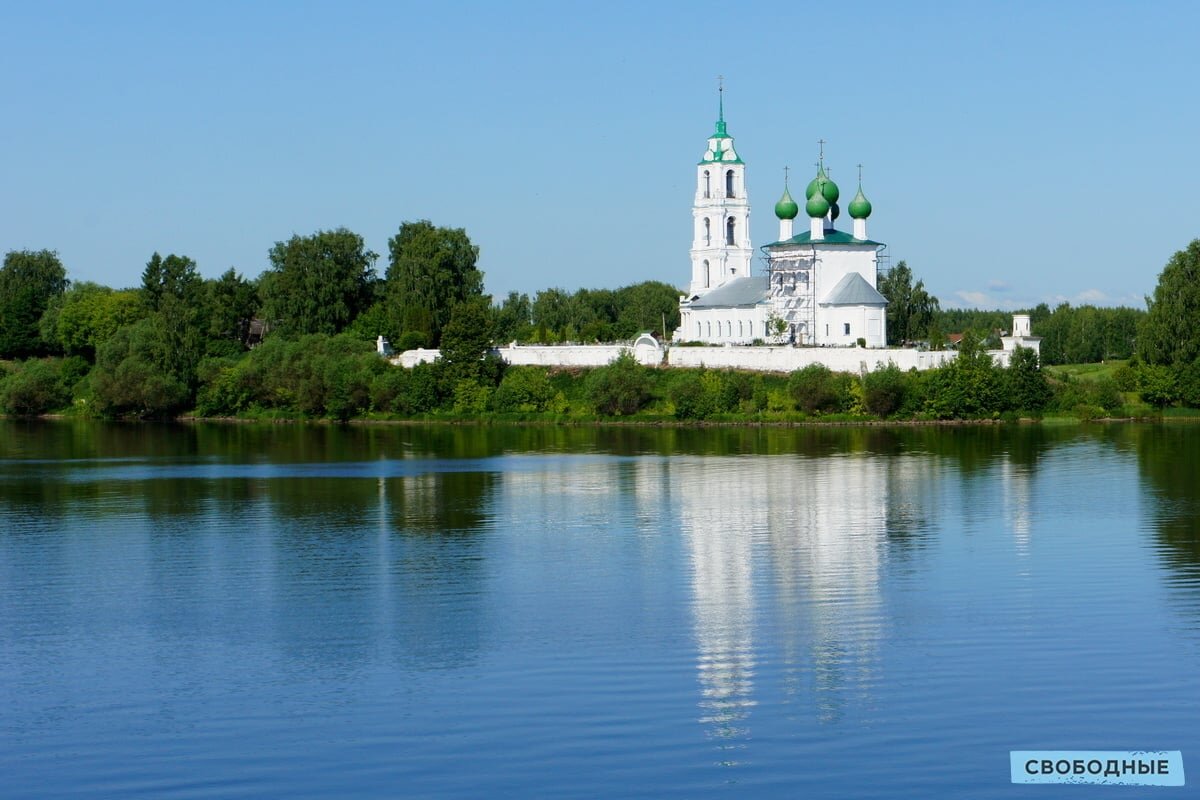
[
  {"x": 977, "y": 299},
  {"x": 1093, "y": 296}
]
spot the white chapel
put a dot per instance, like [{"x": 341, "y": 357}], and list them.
[{"x": 818, "y": 288}]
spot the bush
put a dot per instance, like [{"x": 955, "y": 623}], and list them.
[
  {"x": 524, "y": 389},
  {"x": 35, "y": 387},
  {"x": 1088, "y": 399},
  {"x": 1157, "y": 384},
  {"x": 815, "y": 389},
  {"x": 696, "y": 394},
  {"x": 621, "y": 388},
  {"x": 883, "y": 390}
]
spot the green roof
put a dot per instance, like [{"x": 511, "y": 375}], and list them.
[{"x": 831, "y": 237}]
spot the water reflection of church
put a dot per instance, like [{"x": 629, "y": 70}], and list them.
[{"x": 785, "y": 558}]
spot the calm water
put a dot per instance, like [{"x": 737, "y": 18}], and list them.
[{"x": 233, "y": 611}]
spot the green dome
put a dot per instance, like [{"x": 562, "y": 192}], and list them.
[
  {"x": 860, "y": 206},
  {"x": 786, "y": 208},
  {"x": 830, "y": 190},
  {"x": 835, "y": 211},
  {"x": 814, "y": 183},
  {"x": 817, "y": 206}
]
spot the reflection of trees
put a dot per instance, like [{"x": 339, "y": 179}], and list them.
[{"x": 1169, "y": 460}]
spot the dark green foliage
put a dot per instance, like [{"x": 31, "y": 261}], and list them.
[
  {"x": 412, "y": 340},
  {"x": 591, "y": 315},
  {"x": 374, "y": 322},
  {"x": 174, "y": 292},
  {"x": 697, "y": 394},
  {"x": 1169, "y": 334},
  {"x": 83, "y": 318},
  {"x": 431, "y": 271},
  {"x": 1025, "y": 386},
  {"x": 1187, "y": 382},
  {"x": 1157, "y": 383},
  {"x": 467, "y": 338},
  {"x": 910, "y": 308},
  {"x": 132, "y": 376},
  {"x": 1087, "y": 334},
  {"x": 29, "y": 281},
  {"x": 171, "y": 278},
  {"x": 38, "y": 385},
  {"x": 318, "y": 283},
  {"x": 621, "y": 388},
  {"x": 968, "y": 387},
  {"x": 513, "y": 318},
  {"x": 1125, "y": 376},
  {"x": 316, "y": 375},
  {"x": 1087, "y": 399},
  {"x": 884, "y": 390},
  {"x": 816, "y": 389},
  {"x": 524, "y": 389},
  {"x": 231, "y": 301}
]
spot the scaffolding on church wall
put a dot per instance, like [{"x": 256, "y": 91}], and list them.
[{"x": 791, "y": 289}]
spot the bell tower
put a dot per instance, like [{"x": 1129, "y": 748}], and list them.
[{"x": 721, "y": 248}]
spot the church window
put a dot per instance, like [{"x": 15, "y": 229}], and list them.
[
  {"x": 847, "y": 328},
  {"x": 729, "y": 232},
  {"x": 707, "y": 234},
  {"x": 709, "y": 326},
  {"x": 729, "y": 183},
  {"x": 740, "y": 334},
  {"x": 707, "y": 272},
  {"x": 707, "y": 188},
  {"x": 699, "y": 332}
]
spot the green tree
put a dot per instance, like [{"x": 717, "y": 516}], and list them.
[
  {"x": 513, "y": 318},
  {"x": 1025, "y": 386},
  {"x": 910, "y": 308},
  {"x": 174, "y": 291},
  {"x": 431, "y": 270},
  {"x": 317, "y": 283},
  {"x": 232, "y": 301},
  {"x": 1169, "y": 333},
  {"x": 83, "y": 318},
  {"x": 967, "y": 387},
  {"x": 29, "y": 281},
  {"x": 467, "y": 339},
  {"x": 644, "y": 307}
]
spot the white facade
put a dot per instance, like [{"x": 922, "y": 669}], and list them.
[
  {"x": 721, "y": 249},
  {"x": 803, "y": 299}
]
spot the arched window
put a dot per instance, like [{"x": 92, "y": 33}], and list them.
[
  {"x": 729, "y": 232},
  {"x": 729, "y": 183},
  {"x": 707, "y": 274},
  {"x": 709, "y": 326},
  {"x": 707, "y": 184},
  {"x": 699, "y": 332},
  {"x": 707, "y": 232},
  {"x": 740, "y": 334}
]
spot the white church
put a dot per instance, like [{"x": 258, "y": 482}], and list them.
[{"x": 819, "y": 286}]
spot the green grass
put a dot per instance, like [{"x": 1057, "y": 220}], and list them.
[{"x": 1085, "y": 372}]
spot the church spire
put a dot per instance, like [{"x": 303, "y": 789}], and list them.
[{"x": 721, "y": 106}]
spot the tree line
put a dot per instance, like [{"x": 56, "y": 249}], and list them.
[{"x": 180, "y": 342}]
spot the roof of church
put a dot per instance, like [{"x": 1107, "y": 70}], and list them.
[
  {"x": 831, "y": 237},
  {"x": 739, "y": 292},
  {"x": 853, "y": 290}
]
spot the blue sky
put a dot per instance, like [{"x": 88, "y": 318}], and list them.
[{"x": 1013, "y": 152}]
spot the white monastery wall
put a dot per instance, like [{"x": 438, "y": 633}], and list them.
[
  {"x": 760, "y": 359},
  {"x": 788, "y": 359}
]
